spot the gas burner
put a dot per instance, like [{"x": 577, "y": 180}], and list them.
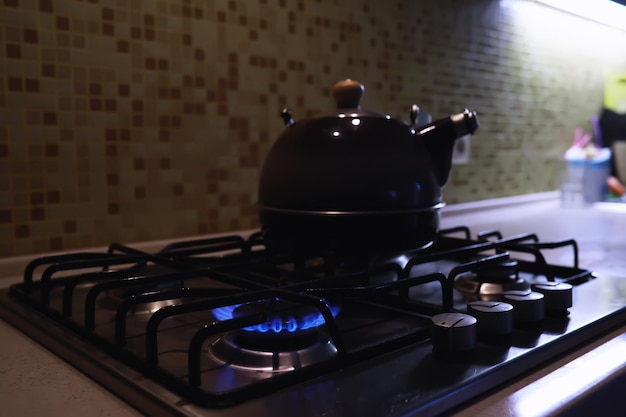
[
  {"x": 291, "y": 338},
  {"x": 490, "y": 283},
  {"x": 284, "y": 317},
  {"x": 227, "y": 350}
]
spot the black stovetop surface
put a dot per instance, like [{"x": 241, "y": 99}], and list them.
[{"x": 384, "y": 366}]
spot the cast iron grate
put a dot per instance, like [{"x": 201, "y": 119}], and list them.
[{"x": 98, "y": 296}]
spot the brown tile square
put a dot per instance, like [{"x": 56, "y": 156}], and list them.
[
  {"x": 56, "y": 243},
  {"x": 53, "y": 197},
  {"x": 51, "y": 150},
  {"x": 31, "y": 85},
  {"x": 49, "y": 118},
  {"x": 69, "y": 226},
  {"x": 135, "y": 32},
  {"x": 110, "y": 105},
  {"x": 48, "y": 70},
  {"x": 140, "y": 192},
  {"x": 15, "y": 84},
  {"x": 30, "y": 36},
  {"x": 112, "y": 179},
  {"x": 95, "y": 104},
  {"x": 111, "y": 150},
  {"x": 13, "y": 51},
  {"x": 46, "y": 6},
  {"x": 123, "y": 90},
  {"x": 178, "y": 189},
  {"x": 113, "y": 208},
  {"x": 149, "y": 19},
  {"x": 37, "y": 213},
  {"x": 63, "y": 23},
  {"x": 123, "y": 46},
  {"x": 165, "y": 163},
  {"x": 6, "y": 216},
  {"x": 82, "y": 165},
  {"x": 95, "y": 89},
  {"x": 108, "y": 29},
  {"x": 124, "y": 135},
  {"x": 107, "y": 13},
  {"x": 36, "y": 198},
  {"x": 139, "y": 164},
  {"x": 110, "y": 135},
  {"x": 22, "y": 231},
  {"x": 150, "y": 63}
]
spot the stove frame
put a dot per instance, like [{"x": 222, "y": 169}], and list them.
[{"x": 24, "y": 304}]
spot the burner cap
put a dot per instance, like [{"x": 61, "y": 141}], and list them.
[
  {"x": 226, "y": 350},
  {"x": 490, "y": 282}
]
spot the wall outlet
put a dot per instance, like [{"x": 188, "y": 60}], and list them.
[{"x": 461, "y": 151}]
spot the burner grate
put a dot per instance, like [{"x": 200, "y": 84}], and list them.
[{"x": 178, "y": 339}]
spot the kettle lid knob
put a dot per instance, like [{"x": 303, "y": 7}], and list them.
[{"x": 348, "y": 93}]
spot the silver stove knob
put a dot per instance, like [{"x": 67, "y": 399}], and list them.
[
  {"x": 453, "y": 333},
  {"x": 494, "y": 317},
  {"x": 527, "y": 305},
  {"x": 557, "y": 295}
]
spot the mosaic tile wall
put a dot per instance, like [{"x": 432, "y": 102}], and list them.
[{"x": 132, "y": 120}]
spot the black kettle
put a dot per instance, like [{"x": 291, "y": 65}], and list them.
[{"x": 357, "y": 182}]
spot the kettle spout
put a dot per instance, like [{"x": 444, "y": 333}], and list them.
[{"x": 439, "y": 137}]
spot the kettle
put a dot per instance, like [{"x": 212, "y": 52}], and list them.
[{"x": 357, "y": 181}]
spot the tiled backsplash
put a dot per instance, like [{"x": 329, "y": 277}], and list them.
[{"x": 131, "y": 120}]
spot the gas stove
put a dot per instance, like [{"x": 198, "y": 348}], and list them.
[{"x": 221, "y": 326}]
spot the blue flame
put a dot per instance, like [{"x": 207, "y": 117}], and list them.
[{"x": 276, "y": 323}]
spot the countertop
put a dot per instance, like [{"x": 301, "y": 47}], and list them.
[{"x": 36, "y": 382}]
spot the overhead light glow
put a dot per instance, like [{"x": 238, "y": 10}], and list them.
[{"x": 603, "y": 11}]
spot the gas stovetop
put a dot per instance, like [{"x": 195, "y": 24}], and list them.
[{"x": 222, "y": 327}]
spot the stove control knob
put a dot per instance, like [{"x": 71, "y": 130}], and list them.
[
  {"x": 527, "y": 305},
  {"x": 453, "y": 333},
  {"x": 557, "y": 295},
  {"x": 494, "y": 317}
]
